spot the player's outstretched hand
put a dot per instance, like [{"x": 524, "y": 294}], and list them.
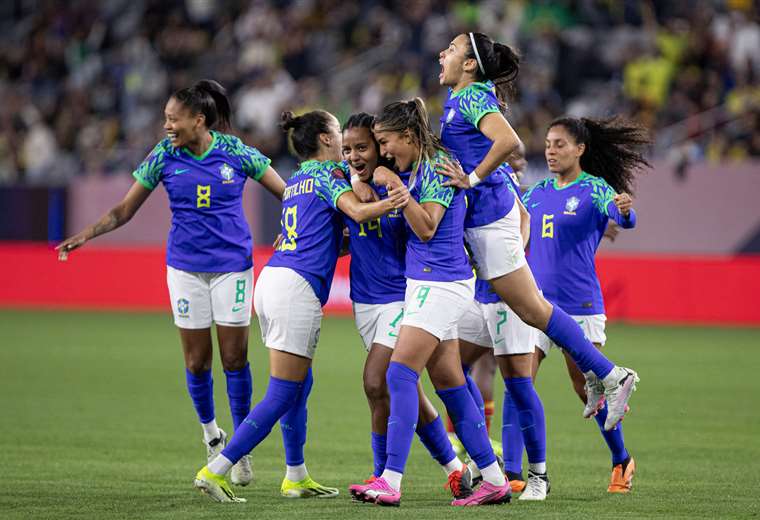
[
  {"x": 624, "y": 203},
  {"x": 453, "y": 170},
  {"x": 398, "y": 196},
  {"x": 68, "y": 245}
]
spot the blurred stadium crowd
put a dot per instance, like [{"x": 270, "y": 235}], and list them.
[{"x": 84, "y": 82}]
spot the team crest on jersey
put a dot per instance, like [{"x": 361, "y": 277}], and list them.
[
  {"x": 183, "y": 307},
  {"x": 227, "y": 173},
  {"x": 450, "y": 116},
  {"x": 571, "y": 205}
]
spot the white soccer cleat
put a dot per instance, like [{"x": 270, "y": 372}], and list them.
[
  {"x": 594, "y": 395},
  {"x": 537, "y": 487},
  {"x": 618, "y": 387},
  {"x": 215, "y": 446},
  {"x": 241, "y": 473}
]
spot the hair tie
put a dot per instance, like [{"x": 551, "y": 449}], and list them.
[{"x": 477, "y": 54}]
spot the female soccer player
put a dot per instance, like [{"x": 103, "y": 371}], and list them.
[
  {"x": 209, "y": 268},
  {"x": 289, "y": 296},
  {"x": 438, "y": 288},
  {"x": 474, "y": 129},
  {"x": 595, "y": 162},
  {"x": 377, "y": 292}
]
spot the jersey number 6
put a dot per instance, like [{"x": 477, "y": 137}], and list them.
[{"x": 547, "y": 226}]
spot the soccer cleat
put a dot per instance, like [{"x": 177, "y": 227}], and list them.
[
  {"x": 594, "y": 395},
  {"x": 357, "y": 490},
  {"x": 486, "y": 494},
  {"x": 381, "y": 493},
  {"x": 460, "y": 482},
  {"x": 537, "y": 488},
  {"x": 241, "y": 473},
  {"x": 215, "y": 486},
  {"x": 617, "y": 391},
  {"x": 456, "y": 444},
  {"x": 306, "y": 488},
  {"x": 621, "y": 480},
  {"x": 516, "y": 481},
  {"x": 215, "y": 446}
]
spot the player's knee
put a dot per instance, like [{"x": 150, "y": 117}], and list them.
[
  {"x": 236, "y": 360},
  {"x": 197, "y": 365},
  {"x": 375, "y": 388}
]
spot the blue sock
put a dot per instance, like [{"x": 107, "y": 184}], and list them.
[
  {"x": 433, "y": 435},
  {"x": 469, "y": 424},
  {"x": 379, "y": 453},
  {"x": 293, "y": 425},
  {"x": 201, "y": 390},
  {"x": 402, "y": 387},
  {"x": 614, "y": 438},
  {"x": 239, "y": 391},
  {"x": 566, "y": 333},
  {"x": 511, "y": 436},
  {"x": 474, "y": 391},
  {"x": 279, "y": 399},
  {"x": 531, "y": 416}
]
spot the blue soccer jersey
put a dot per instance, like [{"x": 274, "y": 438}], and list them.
[
  {"x": 378, "y": 250},
  {"x": 566, "y": 227},
  {"x": 443, "y": 257},
  {"x": 312, "y": 226},
  {"x": 490, "y": 200},
  {"x": 209, "y": 232},
  {"x": 484, "y": 293}
]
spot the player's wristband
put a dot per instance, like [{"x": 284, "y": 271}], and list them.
[{"x": 474, "y": 179}]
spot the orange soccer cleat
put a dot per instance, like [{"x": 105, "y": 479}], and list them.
[{"x": 621, "y": 480}]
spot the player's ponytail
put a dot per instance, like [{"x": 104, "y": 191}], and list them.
[
  {"x": 304, "y": 131},
  {"x": 497, "y": 62},
  {"x": 614, "y": 148},
  {"x": 209, "y": 98}
]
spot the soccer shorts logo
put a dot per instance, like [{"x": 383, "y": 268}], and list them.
[{"x": 183, "y": 307}]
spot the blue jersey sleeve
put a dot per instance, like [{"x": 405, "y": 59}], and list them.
[
  {"x": 330, "y": 183},
  {"x": 529, "y": 193},
  {"x": 628, "y": 222},
  {"x": 150, "y": 171},
  {"x": 432, "y": 188},
  {"x": 477, "y": 100},
  {"x": 253, "y": 162}
]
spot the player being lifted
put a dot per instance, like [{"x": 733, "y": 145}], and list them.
[
  {"x": 289, "y": 296},
  {"x": 479, "y": 71},
  {"x": 208, "y": 256}
]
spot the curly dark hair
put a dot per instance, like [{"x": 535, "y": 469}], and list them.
[
  {"x": 614, "y": 148},
  {"x": 365, "y": 120}
]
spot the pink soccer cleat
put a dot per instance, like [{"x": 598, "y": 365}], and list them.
[{"x": 486, "y": 494}]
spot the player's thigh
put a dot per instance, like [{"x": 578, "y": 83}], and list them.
[
  {"x": 196, "y": 349},
  {"x": 378, "y": 323},
  {"x": 375, "y": 368},
  {"x": 190, "y": 296},
  {"x": 497, "y": 248},
  {"x": 233, "y": 346},
  {"x": 518, "y": 289},
  {"x": 232, "y": 298}
]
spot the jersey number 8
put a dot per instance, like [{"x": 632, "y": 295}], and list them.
[{"x": 290, "y": 220}]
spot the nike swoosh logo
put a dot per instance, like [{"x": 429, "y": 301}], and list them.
[
  {"x": 181, "y": 171},
  {"x": 237, "y": 309},
  {"x": 500, "y": 340}
]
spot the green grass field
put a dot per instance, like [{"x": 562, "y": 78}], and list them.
[{"x": 96, "y": 423}]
